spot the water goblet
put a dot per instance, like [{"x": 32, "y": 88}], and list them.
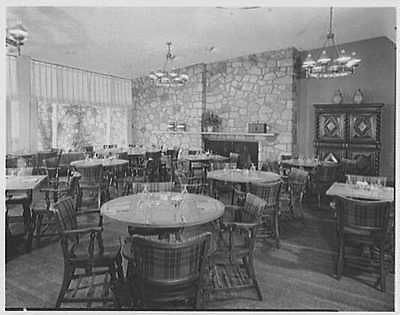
[{"x": 184, "y": 190}]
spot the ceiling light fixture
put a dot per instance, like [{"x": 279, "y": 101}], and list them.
[
  {"x": 167, "y": 78},
  {"x": 16, "y": 36},
  {"x": 325, "y": 66}
]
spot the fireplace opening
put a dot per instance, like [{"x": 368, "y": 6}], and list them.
[{"x": 247, "y": 150}]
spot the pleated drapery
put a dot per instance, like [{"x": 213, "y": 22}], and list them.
[
  {"x": 63, "y": 84},
  {"x": 69, "y": 107}
]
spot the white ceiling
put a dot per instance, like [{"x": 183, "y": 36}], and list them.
[{"x": 130, "y": 41}]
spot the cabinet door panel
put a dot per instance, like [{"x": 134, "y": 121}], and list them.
[
  {"x": 331, "y": 127},
  {"x": 368, "y": 159},
  {"x": 363, "y": 127},
  {"x": 333, "y": 153}
]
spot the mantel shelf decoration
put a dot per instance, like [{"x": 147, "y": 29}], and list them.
[
  {"x": 358, "y": 97},
  {"x": 217, "y": 133},
  {"x": 210, "y": 121}
]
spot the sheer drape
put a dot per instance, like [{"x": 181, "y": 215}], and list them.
[
  {"x": 68, "y": 107},
  {"x": 61, "y": 84},
  {"x": 78, "y": 107},
  {"x": 12, "y": 105}
]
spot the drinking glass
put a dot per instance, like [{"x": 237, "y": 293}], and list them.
[{"x": 184, "y": 190}]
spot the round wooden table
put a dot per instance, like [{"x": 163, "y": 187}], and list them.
[
  {"x": 104, "y": 162},
  {"x": 164, "y": 210},
  {"x": 243, "y": 176},
  {"x": 141, "y": 151},
  {"x": 203, "y": 157},
  {"x": 302, "y": 163}
]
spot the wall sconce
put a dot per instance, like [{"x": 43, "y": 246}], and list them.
[{"x": 16, "y": 36}]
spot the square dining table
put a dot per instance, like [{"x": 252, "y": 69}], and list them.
[
  {"x": 352, "y": 191},
  {"x": 17, "y": 185}
]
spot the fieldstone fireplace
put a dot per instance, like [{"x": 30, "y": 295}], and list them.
[{"x": 256, "y": 88}]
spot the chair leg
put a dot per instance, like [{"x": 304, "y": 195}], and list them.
[
  {"x": 382, "y": 268},
  {"x": 29, "y": 225},
  {"x": 68, "y": 272},
  {"x": 340, "y": 259},
  {"x": 198, "y": 299},
  {"x": 276, "y": 230},
  {"x": 249, "y": 264},
  {"x": 112, "y": 271},
  {"x": 39, "y": 220},
  {"x": 120, "y": 271}
]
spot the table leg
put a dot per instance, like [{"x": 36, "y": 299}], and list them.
[
  {"x": 29, "y": 222},
  {"x": 178, "y": 235}
]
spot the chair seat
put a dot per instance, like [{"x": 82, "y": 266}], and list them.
[
  {"x": 109, "y": 255},
  {"x": 88, "y": 220},
  {"x": 40, "y": 205},
  {"x": 350, "y": 230},
  {"x": 91, "y": 185},
  {"x": 17, "y": 198}
]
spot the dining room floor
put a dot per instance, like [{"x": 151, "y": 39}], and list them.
[{"x": 298, "y": 276}]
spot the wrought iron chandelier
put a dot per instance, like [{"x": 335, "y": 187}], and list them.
[
  {"x": 16, "y": 36},
  {"x": 167, "y": 78},
  {"x": 326, "y": 67}
]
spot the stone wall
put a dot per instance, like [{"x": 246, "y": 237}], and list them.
[
  {"x": 256, "y": 88},
  {"x": 259, "y": 87},
  {"x": 154, "y": 107}
]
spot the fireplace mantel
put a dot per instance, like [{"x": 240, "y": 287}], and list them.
[{"x": 228, "y": 135}]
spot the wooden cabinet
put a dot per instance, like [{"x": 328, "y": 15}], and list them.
[{"x": 349, "y": 131}]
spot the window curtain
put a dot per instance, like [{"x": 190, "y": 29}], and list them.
[
  {"x": 12, "y": 105},
  {"x": 78, "y": 107}
]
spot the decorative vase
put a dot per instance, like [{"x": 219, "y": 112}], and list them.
[
  {"x": 338, "y": 97},
  {"x": 180, "y": 127},
  {"x": 358, "y": 97},
  {"x": 210, "y": 128},
  {"x": 171, "y": 126}
]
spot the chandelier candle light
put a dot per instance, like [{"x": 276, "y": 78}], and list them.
[
  {"x": 327, "y": 67},
  {"x": 168, "y": 78}
]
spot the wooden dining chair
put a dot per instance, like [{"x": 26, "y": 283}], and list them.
[
  {"x": 269, "y": 192},
  {"x": 325, "y": 175},
  {"x": 270, "y": 166},
  {"x": 89, "y": 150},
  {"x": 11, "y": 162},
  {"x": 168, "y": 275},
  {"x": 17, "y": 224},
  {"x": 153, "y": 187},
  {"x": 365, "y": 223},
  {"x": 93, "y": 187},
  {"x": 64, "y": 168},
  {"x": 297, "y": 184},
  {"x": 232, "y": 263},
  {"x": 41, "y": 156},
  {"x": 84, "y": 251},
  {"x": 153, "y": 166},
  {"x": 43, "y": 207},
  {"x": 51, "y": 168},
  {"x": 224, "y": 188},
  {"x": 234, "y": 157}
]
